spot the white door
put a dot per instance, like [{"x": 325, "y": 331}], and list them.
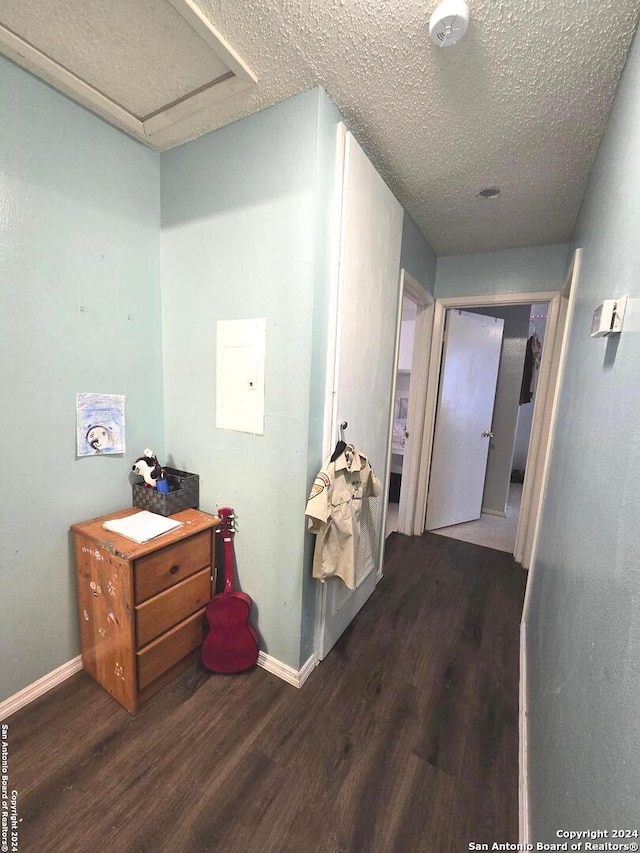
[
  {"x": 471, "y": 359},
  {"x": 363, "y": 365}
]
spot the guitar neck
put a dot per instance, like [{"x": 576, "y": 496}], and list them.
[
  {"x": 229, "y": 561},
  {"x": 227, "y": 532}
]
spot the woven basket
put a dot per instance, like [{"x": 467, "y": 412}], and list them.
[{"x": 185, "y": 493}]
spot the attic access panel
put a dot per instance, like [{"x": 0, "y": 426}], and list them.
[{"x": 143, "y": 66}]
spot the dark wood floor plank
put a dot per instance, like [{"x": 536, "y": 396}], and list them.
[{"x": 404, "y": 739}]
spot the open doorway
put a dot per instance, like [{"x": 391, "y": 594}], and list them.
[
  {"x": 399, "y": 431},
  {"x": 560, "y": 307},
  {"x": 423, "y": 396},
  {"x": 413, "y": 345},
  {"x": 490, "y": 518}
]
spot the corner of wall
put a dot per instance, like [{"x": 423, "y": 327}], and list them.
[
  {"x": 416, "y": 255},
  {"x": 327, "y": 196}
]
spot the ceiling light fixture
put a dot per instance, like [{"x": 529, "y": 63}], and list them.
[
  {"x": 489, "y": 192},
  {"x": 449, "y": 23}
]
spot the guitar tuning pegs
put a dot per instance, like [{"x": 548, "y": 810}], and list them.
[{"x": 227, "y": 519}]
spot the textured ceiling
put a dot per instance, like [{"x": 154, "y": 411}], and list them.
[{"x": 520, "y": 103}]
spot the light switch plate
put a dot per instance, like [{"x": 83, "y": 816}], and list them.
[{"x": 608, "y": 317}]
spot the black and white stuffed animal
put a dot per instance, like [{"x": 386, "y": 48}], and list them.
[{"x": 148, "y": 468}]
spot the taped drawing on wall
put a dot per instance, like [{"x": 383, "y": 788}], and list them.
[{"x": 100, "y": 424}]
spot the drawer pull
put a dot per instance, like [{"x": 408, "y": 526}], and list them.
[{"x": 164, "y": 567}]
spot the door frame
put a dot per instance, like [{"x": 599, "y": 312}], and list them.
[
  {"x": 412, "y": 289},
  {"x": 533, "y": 483},
  {"x": 547, "y": 412},
  {"x": 464, "y": 331}
]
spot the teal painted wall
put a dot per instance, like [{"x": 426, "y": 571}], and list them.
[
  {"x": 416, "y": 255},
  {"x": 540, "y": 268},
  {"x": 240, "y": 211},
  {"x": 79, "y": 311},
  {"x": 583, "y": 623}
]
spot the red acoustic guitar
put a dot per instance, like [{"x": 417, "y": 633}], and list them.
[{"x": 232, "y": 643}]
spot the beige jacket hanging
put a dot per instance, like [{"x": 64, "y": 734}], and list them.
[{"x": 335, "y": 512}]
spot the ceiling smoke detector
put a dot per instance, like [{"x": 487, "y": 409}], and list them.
[{"x": 449, "y": 23}]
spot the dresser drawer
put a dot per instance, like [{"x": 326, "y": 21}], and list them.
[
  {"x": 170, "y": 648},
  {"x": 163, "y": 611},
  {"x": 161, "y": 569}
]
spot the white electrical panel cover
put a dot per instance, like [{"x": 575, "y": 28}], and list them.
[{"x": 240, "y": 369}]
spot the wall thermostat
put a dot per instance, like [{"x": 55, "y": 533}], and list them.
[{"x": 608, "y": 317}]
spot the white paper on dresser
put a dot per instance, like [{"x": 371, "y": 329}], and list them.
[{"x": 142, "y": 526}]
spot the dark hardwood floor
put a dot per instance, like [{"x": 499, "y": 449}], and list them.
[{"x": 404, "y": 739}]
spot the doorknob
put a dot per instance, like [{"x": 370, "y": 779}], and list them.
[{"x": 487, "y": 434}]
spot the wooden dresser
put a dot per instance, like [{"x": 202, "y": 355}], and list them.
[{"x": 141, "y": 607}]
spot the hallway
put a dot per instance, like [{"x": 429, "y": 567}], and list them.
[
  {"x": 491, "y": 531},
  {"x": 404, "y": 739}
]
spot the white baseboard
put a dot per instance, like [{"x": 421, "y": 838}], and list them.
[
  {"x": 497, "y": 512},
  {"x": 48, "y": 682},
  {"x": 523, "y": 762},
  {"x": 39, "y": 687},
  {"x": 288, "y": 673}
]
